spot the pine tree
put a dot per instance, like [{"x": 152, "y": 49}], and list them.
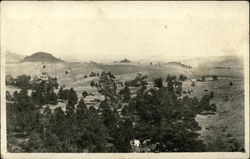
[
  {"x": 170, "y": 86},
  {"x": 84, "y": 94},
  {"x": 8, "y": 96},
  {"x": 61, "y": 94},
  {"x": 72, "y": 98},
  {"x": 125, "y": 93},
  {"x": 158, "y": 83}
]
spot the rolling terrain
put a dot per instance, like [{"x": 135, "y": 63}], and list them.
[{"x": 226, "y": 126}]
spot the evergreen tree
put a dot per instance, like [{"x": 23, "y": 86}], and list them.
[
  {"x": 158, "y": 83},
  {"x": 61, "y": 93},
  {"x": 84, "y": 94},
  {"x": 72, "y": 98},
  {"x": 170, "y": 86},
  {"x": 92, "y": 83},
  {"x": 57, "y": 135},
  {"x": 182, "y": 77},
  {"x": 125, "y": 93},
  {"x": 8, "y": 96}
]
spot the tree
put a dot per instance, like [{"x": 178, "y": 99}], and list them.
[
  {"x": 124, "y": 135},
  {"x": 231, "y": 83},
  {"x": 107, "y": 85},
  {"x": 125, "y": 93},
  {"x": 9, "y": 80},
  {"x": 158, "y": 83},
  {"x": 215, "y": 78},
  {"x": 178, "y": 88},
  {"x": 81, "y": 111},
  {"x": 56, "y": 137},
  {"x": 72, "y": 98},
  {"x": 61, "y": 93},
  {"x": 171, "y": 78},
  {"x": 92, "y": 83},
  {"x": 22, "y": 81},
  {"x": 165, "y": 124},
  {"x": 204, "y": 104},
  {"x": 8, "y": 96},
  {"x": 203, "y": 78},
  {"x": 182, "y": 77},
  {"x": 170, "y": 86},
  {"x": 84, "y": 94},
  {"x": 211, "y": 94}
]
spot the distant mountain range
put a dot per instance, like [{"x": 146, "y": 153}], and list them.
[
  {"x": 41, "y": 57},
  {"x": 210, "y": 61}
]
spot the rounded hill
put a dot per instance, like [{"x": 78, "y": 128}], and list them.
[{"x": 41, "y": 57}]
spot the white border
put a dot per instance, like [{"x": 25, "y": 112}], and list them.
[{"x": 205, "y": 155}]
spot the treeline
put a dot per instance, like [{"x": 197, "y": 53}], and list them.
[
  {"x": 158, "y": 118},
  {"x": 181, "y": 64},
  {"x": 26, "y": 82},
  {"x": 42, "y": 91}
]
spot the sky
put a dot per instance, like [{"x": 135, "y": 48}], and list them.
[{"x": 109, "y": 31}]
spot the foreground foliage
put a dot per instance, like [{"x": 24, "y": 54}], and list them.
[{"x": 160, "y": 118}]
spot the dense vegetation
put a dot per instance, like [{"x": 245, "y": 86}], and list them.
[{"x": 160, "y": 118}]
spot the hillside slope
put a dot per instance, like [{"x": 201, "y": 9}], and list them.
[{"x": 41, "y": 57}]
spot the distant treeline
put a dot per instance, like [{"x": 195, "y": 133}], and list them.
[{"x": 181, "y": 64}]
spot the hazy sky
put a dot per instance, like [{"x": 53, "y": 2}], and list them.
[{"x": 84, "y": 31}]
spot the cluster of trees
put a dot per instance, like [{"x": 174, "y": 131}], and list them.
[
  {"x": 42, "y": 91},
  {"x": 92, "y": 74},
  {"x": 139, "y": 81},
  {"x": 158, "y": 118},
  {"x": 182, "y": 77},
  {"x": 78, "y": 129},
  {"x": 93, "y": 84},
  {"x": 22, "y": 81},
  {"x": 67, "y": 94},
  {"x": 26, "y": 82},
  {"x": 163, "y": 122},
  {"x": 172, "y": 83}
]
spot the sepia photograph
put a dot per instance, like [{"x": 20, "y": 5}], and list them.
[{"x": 124, "y": 79}]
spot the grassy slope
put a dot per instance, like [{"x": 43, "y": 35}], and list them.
[{"x": 228, "y": 122}]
